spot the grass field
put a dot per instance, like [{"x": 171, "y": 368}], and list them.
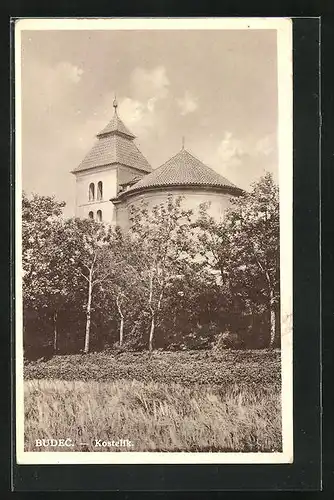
[{"x": 189, "y": 401}]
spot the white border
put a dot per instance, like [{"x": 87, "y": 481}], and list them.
[{"x": 283, "y": 26}]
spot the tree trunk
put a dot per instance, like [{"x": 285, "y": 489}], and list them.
[
  {"x": 272, "y": 320},
  {"x": 121, "y": 327},
  {"x": 88, "y": 316},
  {"x": 55, "y": 333},
  {"x": 150, "y": 341},
  {"x": 271, "y": 302}
]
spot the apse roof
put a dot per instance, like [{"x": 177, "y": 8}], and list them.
[{"x": 181, "y": 170}]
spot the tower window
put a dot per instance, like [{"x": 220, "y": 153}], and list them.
[
  {"x": 91, "y": 215},
  {"x": 91, "y": 194},
  {"x": 99, "y": 215},
  {"x": 99, "y": 190}
]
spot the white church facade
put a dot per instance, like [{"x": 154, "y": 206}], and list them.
[{"x": 115, "y": 175}]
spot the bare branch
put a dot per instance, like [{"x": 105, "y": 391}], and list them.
[
  {"x": 84, "y": 276},
  {"x": 118, "y": 305},
  {"x": 103, "y": 278},
  {"x": 86, "y": 266},
  {"x": 160, "y": 298}
]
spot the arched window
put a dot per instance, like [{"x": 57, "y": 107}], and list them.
[
  {"x": 99, "y": 190},
  {"x": 99, "y": 215},
  {"x": 91, "y": 215},
  {"x": 91, "y": 194}
]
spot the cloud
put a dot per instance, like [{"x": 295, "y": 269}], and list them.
[
  {"x": 149, "y": 86},
  {"x": 138, "y": 110},
  {"x": 187, "y": 104},
  {"x": 45, "y": 87},
  {"x": 230, "y": 150},
  {"x": 67, "y": 71},
  {"x": 265, "y": 145},
  {"x": 139, "y": 116},
  {"x": 50, "y": 98},
  {"x": 243, "y": 160}
]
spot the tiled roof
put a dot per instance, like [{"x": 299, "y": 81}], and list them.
[
  {"x": 114, "y": 149},
  {"x": 114, "y": 126},
  {"x": 115, "y": 144},
  {"x": 181, "y": 170},
  {"x": 132, "y": 181}
]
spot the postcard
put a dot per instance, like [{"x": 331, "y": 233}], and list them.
[{"x": 153, "y": 236}]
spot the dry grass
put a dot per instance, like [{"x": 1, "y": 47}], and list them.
[{"x": 155, "y": 416}]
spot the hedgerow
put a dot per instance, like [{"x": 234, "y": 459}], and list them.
[{"x": 192, "y": 367}]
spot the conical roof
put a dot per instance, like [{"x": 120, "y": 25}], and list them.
[
  {"x": 183, "y": 169},
  {"x": 115, "y": 144},
  {"x": 116, "y": 126},
  {"x": 114, "y": 149}
]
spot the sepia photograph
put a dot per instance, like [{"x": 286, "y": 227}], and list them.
[{"x": 153, "y": 240}]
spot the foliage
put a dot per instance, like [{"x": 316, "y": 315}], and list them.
[
  {"x": 44, "y": 278},
  {"x": 159, "y": 250},
  {"x": 170, "y": 282},
  {"x": 47, "y": 283},
  {"x": 244, "y": 248},
  {"x": 222, "y": 367},
  {"x": 88, "y": 255}
]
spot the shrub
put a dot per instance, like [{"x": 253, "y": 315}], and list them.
[
  {"x": 215, "y": 367},
  {"x": 227, "y": 340}
]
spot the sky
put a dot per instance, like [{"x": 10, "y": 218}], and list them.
[{"x": 215, "y": 88}]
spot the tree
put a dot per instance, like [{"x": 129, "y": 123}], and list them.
[
  {"x": 119, "y": 308},
  {"x": 191, "y": 312},
  {"x": 123, "y": 284},
  {"x": 254, "y": 227},
  {"x": 86, "y": 243},
  {"x": 46, "y": 281},
  {"x": 244, "y": 247},
  {"x": 40, "y": 223},
  {"x": 167, "y": 281},
  {"x": 129, "y": 294},
  {"x": 69, "y": 266},
  {"x": 159, "y": 245}
]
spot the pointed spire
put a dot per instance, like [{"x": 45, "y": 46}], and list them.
[
  {"x": 115, "y": 104},
  {"x": 116, "y": 126},
  {"x": 183, "y": 142}
]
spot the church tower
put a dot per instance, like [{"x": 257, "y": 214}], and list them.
[{"x": 113, "y": 161}]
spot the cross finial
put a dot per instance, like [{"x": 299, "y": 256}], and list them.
[
  {"x": 115, "y": 104},
  {"x": 183, "y": 142}
]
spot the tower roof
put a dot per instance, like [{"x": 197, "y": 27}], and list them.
[
  {"x": 115, "y": 144},
  {"x": 183, "y": 169},
  {"x": 116, "y": 126}
]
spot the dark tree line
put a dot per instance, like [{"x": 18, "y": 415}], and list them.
[{"x": 173, "y": 281}]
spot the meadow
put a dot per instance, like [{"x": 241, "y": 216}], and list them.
[{"x": 168, "y": 401}]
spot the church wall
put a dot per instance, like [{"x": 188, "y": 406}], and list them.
[
  {"x": 219, "y": 202},
  {"x": 108, "y": 176},
  {"x": 126, "y": 174}
]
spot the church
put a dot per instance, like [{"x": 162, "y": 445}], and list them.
[{"x": 115, "y": 175}]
